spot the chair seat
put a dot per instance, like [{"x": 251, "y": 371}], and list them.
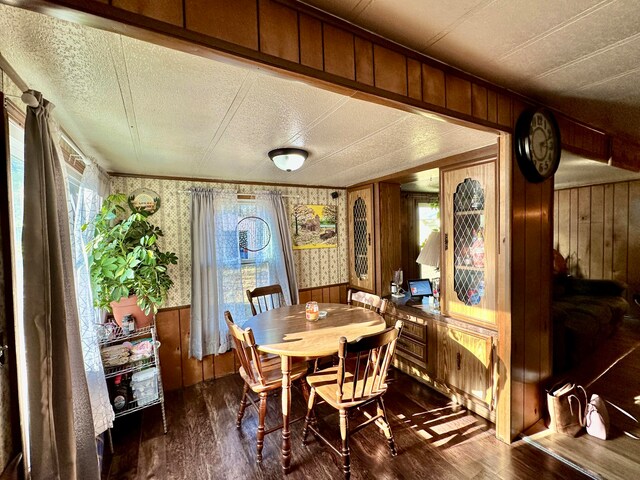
[
  {"x": 326, "y": 385},
  {"x": 272, "y": 374}
]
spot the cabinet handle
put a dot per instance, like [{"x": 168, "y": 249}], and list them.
[
  {"x": 369, "y": 237},
  {"x": 446, "y": 241},
  {"x": 458, "y": 359}
]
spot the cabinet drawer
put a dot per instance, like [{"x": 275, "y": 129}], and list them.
[
  {"x": 464, "y": 362},
  {"x": 413, "y": 329},
  {"x": 412, "y": 350}
]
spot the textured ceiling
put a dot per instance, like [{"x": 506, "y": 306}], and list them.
[
  {"x": 580, "y": 56},
  {"x": 141, "y": 108}
]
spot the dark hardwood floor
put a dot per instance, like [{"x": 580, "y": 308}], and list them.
[
  {"x": 613, "y": 372},
  {"x": 435, "y": 438}
]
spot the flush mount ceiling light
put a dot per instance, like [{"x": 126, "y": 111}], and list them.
[{"x": 288, "y": 159}]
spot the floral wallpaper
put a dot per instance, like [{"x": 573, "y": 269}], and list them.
[{"x": 315, "y": 267}]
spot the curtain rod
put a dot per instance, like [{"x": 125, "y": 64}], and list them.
[
  {"x": 247, "y": 195},
  {"x": 12, "y": 74}
]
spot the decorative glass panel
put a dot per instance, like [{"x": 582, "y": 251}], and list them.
[
  {"x": 360, "y": 239},
  {"x": 468, "y": 242}
]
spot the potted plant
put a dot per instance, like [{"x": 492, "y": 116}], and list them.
[{"x": 126, "y": 264}]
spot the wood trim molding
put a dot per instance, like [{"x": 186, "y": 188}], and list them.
[{"x": 213, "y": 180}]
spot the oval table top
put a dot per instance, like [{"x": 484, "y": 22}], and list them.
[{"x": 285, "y": 330}]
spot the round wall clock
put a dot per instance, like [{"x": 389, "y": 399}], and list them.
[{"x": 537, "y": 141}]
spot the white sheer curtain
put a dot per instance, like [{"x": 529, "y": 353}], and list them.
[
  {"x": 94, "y": 187},
  {"x": 278, "y": 256},
  {"x": 216, "y": 283}
]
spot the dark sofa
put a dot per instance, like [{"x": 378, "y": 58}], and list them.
[{"x": 585, "y": 313}]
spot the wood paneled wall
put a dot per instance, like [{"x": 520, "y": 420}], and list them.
[
  {"x": 531, "y": 246},
  {"x": 290, "y": 35},
  {"x": 598, "y": 228},
  {"x": 173, "y": 325}
]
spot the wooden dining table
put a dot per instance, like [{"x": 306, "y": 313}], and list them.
[{"x": 286, "y": 332}]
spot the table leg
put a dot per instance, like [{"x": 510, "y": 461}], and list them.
[{"x": 286, "y": 407}]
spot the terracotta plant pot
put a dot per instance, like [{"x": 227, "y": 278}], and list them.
[{"x": 129, "y": 306}]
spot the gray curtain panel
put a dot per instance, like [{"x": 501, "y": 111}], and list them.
[
  {"x": 281, "y": 229},
  {"x": 62, "y": 439},
  {"x": 216, "y": 278}
]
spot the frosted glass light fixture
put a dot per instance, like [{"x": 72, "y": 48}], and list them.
[{"x": 288, "y": 159}]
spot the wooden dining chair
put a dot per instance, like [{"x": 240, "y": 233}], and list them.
[
  {"x": 367, "y": 300},
  {"x": 266, "y": 298},
  {"x": 357, "y": 381},
  {"x": 261, "y": 374}
]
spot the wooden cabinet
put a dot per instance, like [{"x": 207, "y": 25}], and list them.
[
  {"x": 374, "y": 241},
  {"x": 413, "y": 344},
  {"x": 453, "y": 357},
  {"x": 361, "y": 238},
  {"x": 469, "y": 213},
  {"x": 465, "y": 362}
]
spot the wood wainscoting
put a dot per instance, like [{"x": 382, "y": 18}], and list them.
[
  {"x": 173, "y": 324},
  {"x": 598, "y": 228}
]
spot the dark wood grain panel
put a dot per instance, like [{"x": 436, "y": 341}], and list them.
[
  {"x": 316, "y": 295},
  {"x": 235, "y": 22},
  {"x": 519, "y": 296},
  {"x": 433, "y": 85},
  {"x": 388, "y": 221},
  {"x": 169, "y": 11},
  {"x": 492, "y": 106},
  {"x": 224, "y": 364},
  {"x": 390, "y": 70},
  {"x": 458, "y": 92},
  {"x": 339, "y": 58},
  {"x": 311, "y": 42},
  {"x": 625, "y": 154},
  {"x": 326, "y": 294},
  {"x": 607, "y": 255},
  {"x": 170, "y": 352},
  {"x": 633, "y": 254},
  {"x": 191, "y": 368},
  {"x": 208, "y": 371},
  {"x": 334, "y": 294},
  {"x": 564, "y": 213},
  {"x": 545, "y": 293},
  {"x": 620, "y": 230},
  {"x": 556, "y": 215},
  {"x": 596, "y": 232},
  {"x": 504, "y": 110},
  {"x": 573, "y": 229},
  {"x": 343, "y": 293},
  {"x": 479, "y": 104},
  {"x": 278, "y": 29},
  {"x": 304, "y": 296},
  {"x": 364, "y": 61},
  {"x": 584, "y": 231},
  {"x": 414, "y": 79},
  {"x": 533, "y": 311}
]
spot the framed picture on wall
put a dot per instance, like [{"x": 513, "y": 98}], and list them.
[{"x": 314, "y": 226}]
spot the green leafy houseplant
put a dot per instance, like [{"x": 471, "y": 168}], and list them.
[{"x": 125, "y": 259}]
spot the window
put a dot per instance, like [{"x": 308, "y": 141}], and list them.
[
  {"x": 17, "y": 195},
  {"x": 254, "y": 237},
  {"x": 428, "y": 221}
]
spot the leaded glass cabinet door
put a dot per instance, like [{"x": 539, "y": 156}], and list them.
[
  {"x": 469, "y": 213},
  {"x": 361, "y": 240}
]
